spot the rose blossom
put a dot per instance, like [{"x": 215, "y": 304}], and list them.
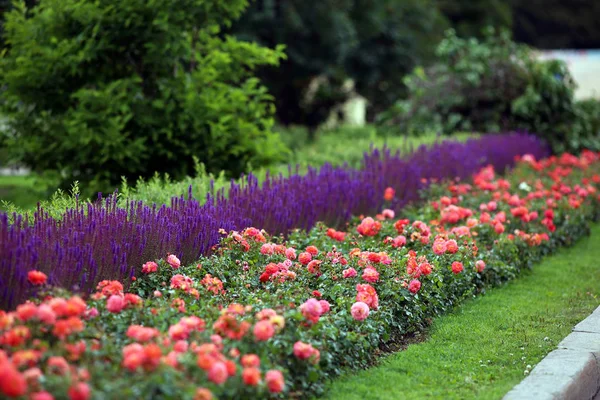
[
  {"x": 414, "y": 286},
  {"x": 370, "y": 275},
  {"x": 480, "y": 266},
  {"x": 457, "y": 267},
  {"x": 149, "y": 267},
  {"x": 349, "y": 273},
  {"x": 359, "y": 311},
  {"x": 173, "y": 261}
]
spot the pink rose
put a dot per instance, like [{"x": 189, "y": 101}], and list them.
[
  {"x": 263, "y": 330},
  {"x": 414, "y": 286},
  {"x": 149, "y": 267},
  {"x": 312, "y": 310},
  {"x": 302, "y": 350},
  {"x": 439, "y": 247},
  {"x": 325, "y": 306},
  {"x": 267, "y": 249},
  {"x": 480, "y": 266},
  {"x": 115, "y": 303},
  {"x": 349, "y": 273},
  {"x": 218, "y": 373},
  {"x": 359, "y": 311},
  {"x": 173, "y": 261},
  {"x": 274, "y": 380},
  {"x": 370, "y": 275},
  {"x": 451, "y": 246},
  {"x": 399, "y": 241},
  {"x": 388, "y": 214},
  {"x": 290, "y": 254}
]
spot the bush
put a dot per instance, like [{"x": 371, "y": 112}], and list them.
[
  {"x": 587, "y": 125},
  {"x": 471, "y": 87},
  {"x": 491, "y": 85},
  {"x": 98, "y": 90}
]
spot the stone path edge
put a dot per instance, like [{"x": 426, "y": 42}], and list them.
[{"x": 571, "y": 372}]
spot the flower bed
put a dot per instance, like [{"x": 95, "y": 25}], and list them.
[
  {"x": 263, "y": 317},
  {"x": 101, "y": 241}
]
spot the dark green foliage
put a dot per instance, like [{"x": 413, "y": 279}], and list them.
[
  {"x": 587, "y": 124},
  {"x": 546, "y": 24},
  {"x": 99, "y": 90},
  {"x": 495, "y": 84},
  {"x": 547, "y": 104},
  {"x": 374, "y": 43},
  {"x": 557, "y": 24},
  {"x": 471, "y": 87},
  {"x": 470, "y": 17}
]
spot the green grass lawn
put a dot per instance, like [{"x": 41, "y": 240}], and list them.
[
  {"x": 484, "y": 348},
  {"x": 20, "y": 190}
]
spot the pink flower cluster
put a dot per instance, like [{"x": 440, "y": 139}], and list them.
[{"x": 313, "y": 309}]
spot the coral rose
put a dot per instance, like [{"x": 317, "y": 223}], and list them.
[
  {"x": 251, "y": 376},
  {"x": 274, "y": 380},
  {"x": 37, "y": 277},
  {"x": 149, "y": 267},
  {"x": 457, "y": 267},
  {"x": 263, "y": 330},
  {"x": 414, "y": 286}
]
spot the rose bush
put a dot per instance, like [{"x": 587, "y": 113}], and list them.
[{"x": 267, "y": 316}]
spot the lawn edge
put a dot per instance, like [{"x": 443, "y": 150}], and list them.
[{"x": 572, "y": 371}]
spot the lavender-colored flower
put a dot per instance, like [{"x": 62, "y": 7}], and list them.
[{"x": 102, "y": 241}]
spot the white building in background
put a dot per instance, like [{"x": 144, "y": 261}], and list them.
[{"x": 585, "y": 68}]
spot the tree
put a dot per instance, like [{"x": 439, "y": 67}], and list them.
[
  {"x": 329, "y": 41},
  {"x": 96, "y": 90}
]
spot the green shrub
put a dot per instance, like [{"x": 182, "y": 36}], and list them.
[
  {"x": 471, "y": 87},
  {"x": 94, "y": 91},
  {"x": 160, "y": 189},
  {"x": 587, "y": 125},
  {"x": 493, "y": 85}
]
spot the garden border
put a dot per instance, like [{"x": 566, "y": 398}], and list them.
[{"x": 572, "y": 371}]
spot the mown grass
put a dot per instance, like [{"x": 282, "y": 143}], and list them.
[
  {"x": 483, "y": 349},
  {"x": 20, "y": 190}
]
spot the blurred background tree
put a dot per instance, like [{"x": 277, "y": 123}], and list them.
[
  {"x": 469, "y": 18},
  {"x": 374, "y": 43},
  {"x": 557, "y": 24}
]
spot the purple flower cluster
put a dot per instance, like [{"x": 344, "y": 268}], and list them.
[{"x": 103, "y": 241}]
